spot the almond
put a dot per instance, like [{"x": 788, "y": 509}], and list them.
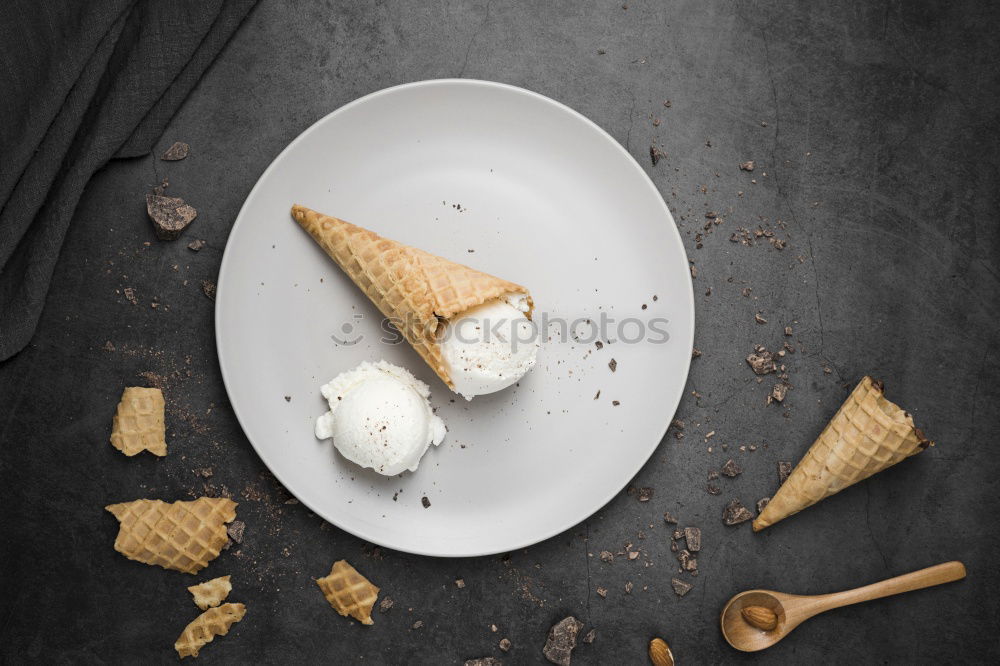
[
  {"x": 760, "y": 617},
  {"x": 659, "y": 653}
]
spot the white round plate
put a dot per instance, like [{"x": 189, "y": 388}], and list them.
[{"x": 508, "y": 182}]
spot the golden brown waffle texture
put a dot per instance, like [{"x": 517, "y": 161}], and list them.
[
  {"x": 138, "y": 423},
  {"x": 349, "y": 592},
  {"x": 416, "y": 290},
  {"x": 184, "y": 536},
  {"x": 213, "y": 622},
  {"x": 867, "y": 435},
  {"x": 211, "y": 593}
]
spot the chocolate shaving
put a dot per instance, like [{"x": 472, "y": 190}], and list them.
[
  {"x": 784, "y": 469},
  {"x": 613, "y": 364},
  {"x": 235, "y": 530},
  {"x": 761, "y": 361},
  {"x": 692, "y": 535},
  {"x": 680, "y": 587},
  {"x": 735, "y": 513},
  {"x": 731, "y": 469},
  {"x": 561, "y": 641},
  {"x": 178, "y": 151},
  {"x": 170, "y": 215}
]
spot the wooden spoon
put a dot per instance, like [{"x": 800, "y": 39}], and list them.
[{"x": 792, "y": 610}]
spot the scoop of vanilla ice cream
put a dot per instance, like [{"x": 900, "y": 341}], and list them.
[
  {"x": 489, "y": 347},
  {"x": 380, "y": 417}
]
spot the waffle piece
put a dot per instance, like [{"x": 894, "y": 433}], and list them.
[
  {"x": 349, "y": 592},
  {"x": 213, "y": 622},
  {"x": 416, "y": 290},
  {"x": 138, "y": 424},
  {"x": 184, "y": 536},
  {"x": 867, "y": 435},
  {"x": 211, "y": 593}
]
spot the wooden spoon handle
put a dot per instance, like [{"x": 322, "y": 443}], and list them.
[{"x": 916, "y": 580}]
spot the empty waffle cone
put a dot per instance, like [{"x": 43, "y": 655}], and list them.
[
  {"x": 138, "y": 424},
  {"x": 349, "y": 592},
  {"x": 211, "y": 593},
  {"x": 213, "y": 622},
  {"x": 414, "y": 289},
  {"x": 867, "y": 435},
  {"x": 184, "y": 536}
]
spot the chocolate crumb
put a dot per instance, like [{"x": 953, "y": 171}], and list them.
[
  {"x": 713, "y": 489},
  {"x": 418, "y": 624},
  {"x": 607, "y": 556},
  {"x": 748, "y": 165},
  {"x": 695, "y": 352},
  {"x": 673, "y": 546},
  {"x": 426, "y": 502},
  {"x": 761, "y": 361},
  {"x": 778, "y": 392},
  {"x": 735, "y": 513},
  {"x": 692, "y": 535},
  {"x": 615, "y": 403},
  {"x": 645, "y": 494},
  {"x": 731, "y": 469},
  {"x": 762, "y": 504},
  {"x": 613, "y": 364},
  {"x": 483, "y": 661},
  {"x": 746, "y": 291},
  {"x": 688, "y": 561},
  {"x": 628, "y": 587},
  {"x": 460, "y": 583},
  {"x": 235, "y": 530},
  {"x": 677, "y": 535},
  {"x": 288, "y": 398},
  {"x": 680, "y": 587},
  {"x": 602, "y": 592},
  {"x": 385, "y": 604},
  {"x": 760, "y": 320},
  {"x": 597, "y": 395},
  {"x": 196, "y": 245},
  {"x": 505, "y": 644},
  {"x": 655, "y": 154},
  {"x": 178, "y": 151},
  {"x": 784, "y": 469},
  {"x": 204, "y": 472},
  {"x": 591, "y": 635},
  {"x": 208, "y": 288},
  {"x": 561, "y": 641},
  {"x": 788, "y": 330},
  {"x": 713, "y": 474},
  {"x": 669, "y": 519},
  {"x": 633, "y": 555},
  {"x": 170, "y": 215},
  {"x": 598, "y": 344},
  {"x": 130, "y": 296}
]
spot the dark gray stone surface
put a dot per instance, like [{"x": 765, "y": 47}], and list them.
[{"x": 874, "y": 129}]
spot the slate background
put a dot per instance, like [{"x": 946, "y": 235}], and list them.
[{"x": 879, "y": 159}]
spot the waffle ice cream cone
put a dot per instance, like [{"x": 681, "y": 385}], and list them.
[
  {"x": 138, "y": 423},
  {"x": 211, "y": 593},
  {"x": 213, "y": 622},
  {"x": 184, "y": 536},
  {"x": 867, "y": 435},
  {"x": 349, "y": 592},
  {"x": 416, "y": 290}
]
